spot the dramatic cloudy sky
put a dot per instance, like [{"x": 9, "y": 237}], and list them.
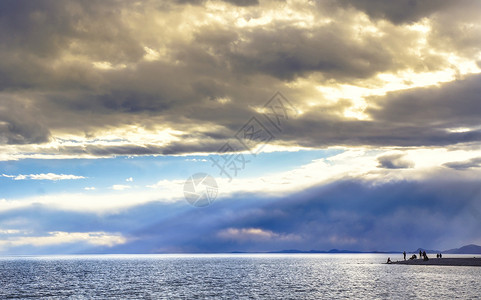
[{"x": 365, "y": 114}]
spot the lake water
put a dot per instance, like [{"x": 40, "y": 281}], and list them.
[{"x": 232, "y": 276}]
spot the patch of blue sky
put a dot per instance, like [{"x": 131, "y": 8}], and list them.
[{"x": 103, "y": 173}]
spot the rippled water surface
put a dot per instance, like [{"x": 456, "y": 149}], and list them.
[{"x": 232, "y": 276}]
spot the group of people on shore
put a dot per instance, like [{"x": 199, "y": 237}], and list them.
[{"x": 422, "y": 254}]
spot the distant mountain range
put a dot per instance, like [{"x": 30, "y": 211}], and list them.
[
  {"x": 319, "y": 251},
  {"x": 427, "y": 251},
  {"x": 468, "y": 249},
  {"x": 316, "y": 251}
]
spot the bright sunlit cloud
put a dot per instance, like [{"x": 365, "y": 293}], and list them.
[
  {"x": 59, "y": 238},
  {"x": 48, "y": 176}
]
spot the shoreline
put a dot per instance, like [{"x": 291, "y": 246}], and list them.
[{"x": 471, "y": 262}]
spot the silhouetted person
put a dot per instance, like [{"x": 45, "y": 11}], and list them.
[
  {"x": 420, "y": 254},
  {"x": 440, "y": 255},
  {"x": 425, "y": 256},
  {"x": 437, "y": 255},
  {"x": 404, "y": 253},
  {"x": 388, "y": 260}
]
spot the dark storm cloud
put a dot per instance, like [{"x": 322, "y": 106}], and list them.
[
  {"x": 450, "y": 105},
  {"x": 401, "y": 11},
  {"x": 210, "y": 146},
  {"x": 327, "y": 132},
  {"x": 35, "y": 34},
  {"x": 20, "y": 123},
  {"x": 345, "y": 214},
  {"x": 452, "y": 20},
  {"x": 348, "y": 214},
  {"x": 234, "y": 2},
  {"x": 394, "y": 161},
  {"x": 463, "y": 165},
  {"x": 243, "y": 2},
  {"x": 293, "y": 52}
]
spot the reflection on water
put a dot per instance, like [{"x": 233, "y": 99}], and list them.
[{"x": 239, "y": 276}]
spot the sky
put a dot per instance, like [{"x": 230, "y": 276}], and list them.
[{"x": 323, "y": 124}]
